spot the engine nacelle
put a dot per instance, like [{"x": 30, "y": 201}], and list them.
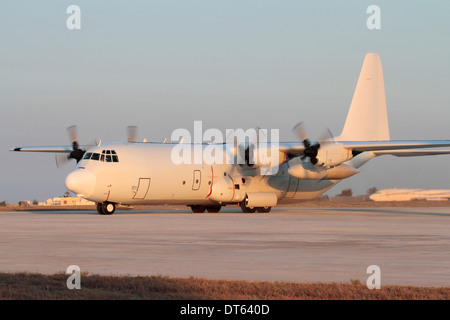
[
  {"x": 307, "y": 171},
  {"x": 332, "y": 154}
]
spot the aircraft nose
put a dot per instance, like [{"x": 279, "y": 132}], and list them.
[{"x": 81, "y": 182}]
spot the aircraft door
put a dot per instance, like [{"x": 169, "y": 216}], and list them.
[
  {"x": 142, "y": 189},
  {"x": 197, "y": 180}
]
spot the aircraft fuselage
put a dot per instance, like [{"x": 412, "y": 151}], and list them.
[{"x": 144, "y": 173}]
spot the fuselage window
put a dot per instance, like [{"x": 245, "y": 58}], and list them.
[
  {"x": 95, "y": 156},
  {"x": 87, "y": 155}
]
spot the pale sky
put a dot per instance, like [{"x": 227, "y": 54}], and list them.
[{"x": 161, "y": 65}]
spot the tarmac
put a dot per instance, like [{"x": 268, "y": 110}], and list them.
[{"x": 410, "y": 245}]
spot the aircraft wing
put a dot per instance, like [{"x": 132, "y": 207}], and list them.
[
  {"x": 411, "y": 152},
  {"x": 291, "y": 148},
  {"x": 297, "y": 148},
  {"x": 392, "y": 147},
  {"x": 393, "y": 144},
  {"x": 53, "y": 149}
]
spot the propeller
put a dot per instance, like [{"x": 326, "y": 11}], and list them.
[
  {"x": 77, "y": 153},
  {"x": 311, "y": 148},
  {"x": 132, "y": 133},
  {"x": 247, "y": 149},
  {"x": 61, "y": 159},
  {"x": 253, "y": 156}
]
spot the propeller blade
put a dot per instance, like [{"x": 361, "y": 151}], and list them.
[
  {"x": 62, "y": 159},
  {"x": 327, "y": 136},
  {"x": 72, "y": 131},
  {"x": 77, "y": 153},
  {"x": 300, "y": 131},
  {"x": 94, "y": 143},
  {"x": 132, "y": 133},
  {"x": 311, "y": 148}
]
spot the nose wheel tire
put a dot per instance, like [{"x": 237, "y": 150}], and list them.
[{"x": 106, "y": 208}]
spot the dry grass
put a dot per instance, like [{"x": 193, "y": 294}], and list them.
[{"x": 24, "y": 286}]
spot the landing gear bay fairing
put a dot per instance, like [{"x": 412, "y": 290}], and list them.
[{"x": 133, "y": 173}]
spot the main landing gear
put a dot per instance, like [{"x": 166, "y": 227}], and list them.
[
  {"x": 106, "y": 208},
  {"x": 201, "y": 209},
  {"x": 246, "y": 209}
]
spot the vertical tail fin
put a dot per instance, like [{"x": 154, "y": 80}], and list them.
[{"x": 367, "y": 117}]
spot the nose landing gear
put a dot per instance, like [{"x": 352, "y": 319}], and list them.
[{"x": 106, "y": 208}]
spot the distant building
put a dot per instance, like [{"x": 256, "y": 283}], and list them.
[
  {"x": 410, "y": 194},
  {"x": 68, "y": 201},
  {"x": 352, "y": 198},
  {"x": 3, "y": 203}
]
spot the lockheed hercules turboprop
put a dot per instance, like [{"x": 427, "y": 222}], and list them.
[{"x": 132, "y": 173}]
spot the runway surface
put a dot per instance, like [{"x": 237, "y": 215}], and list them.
[{"x": 410, "y": 245}]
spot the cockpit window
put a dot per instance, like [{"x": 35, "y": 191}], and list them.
[
  {"x": 105, "y": 156},
  {"x": 109, "y": 156}
]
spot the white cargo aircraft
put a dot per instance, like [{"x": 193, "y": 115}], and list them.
[{"x": 144, "y": 173}]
